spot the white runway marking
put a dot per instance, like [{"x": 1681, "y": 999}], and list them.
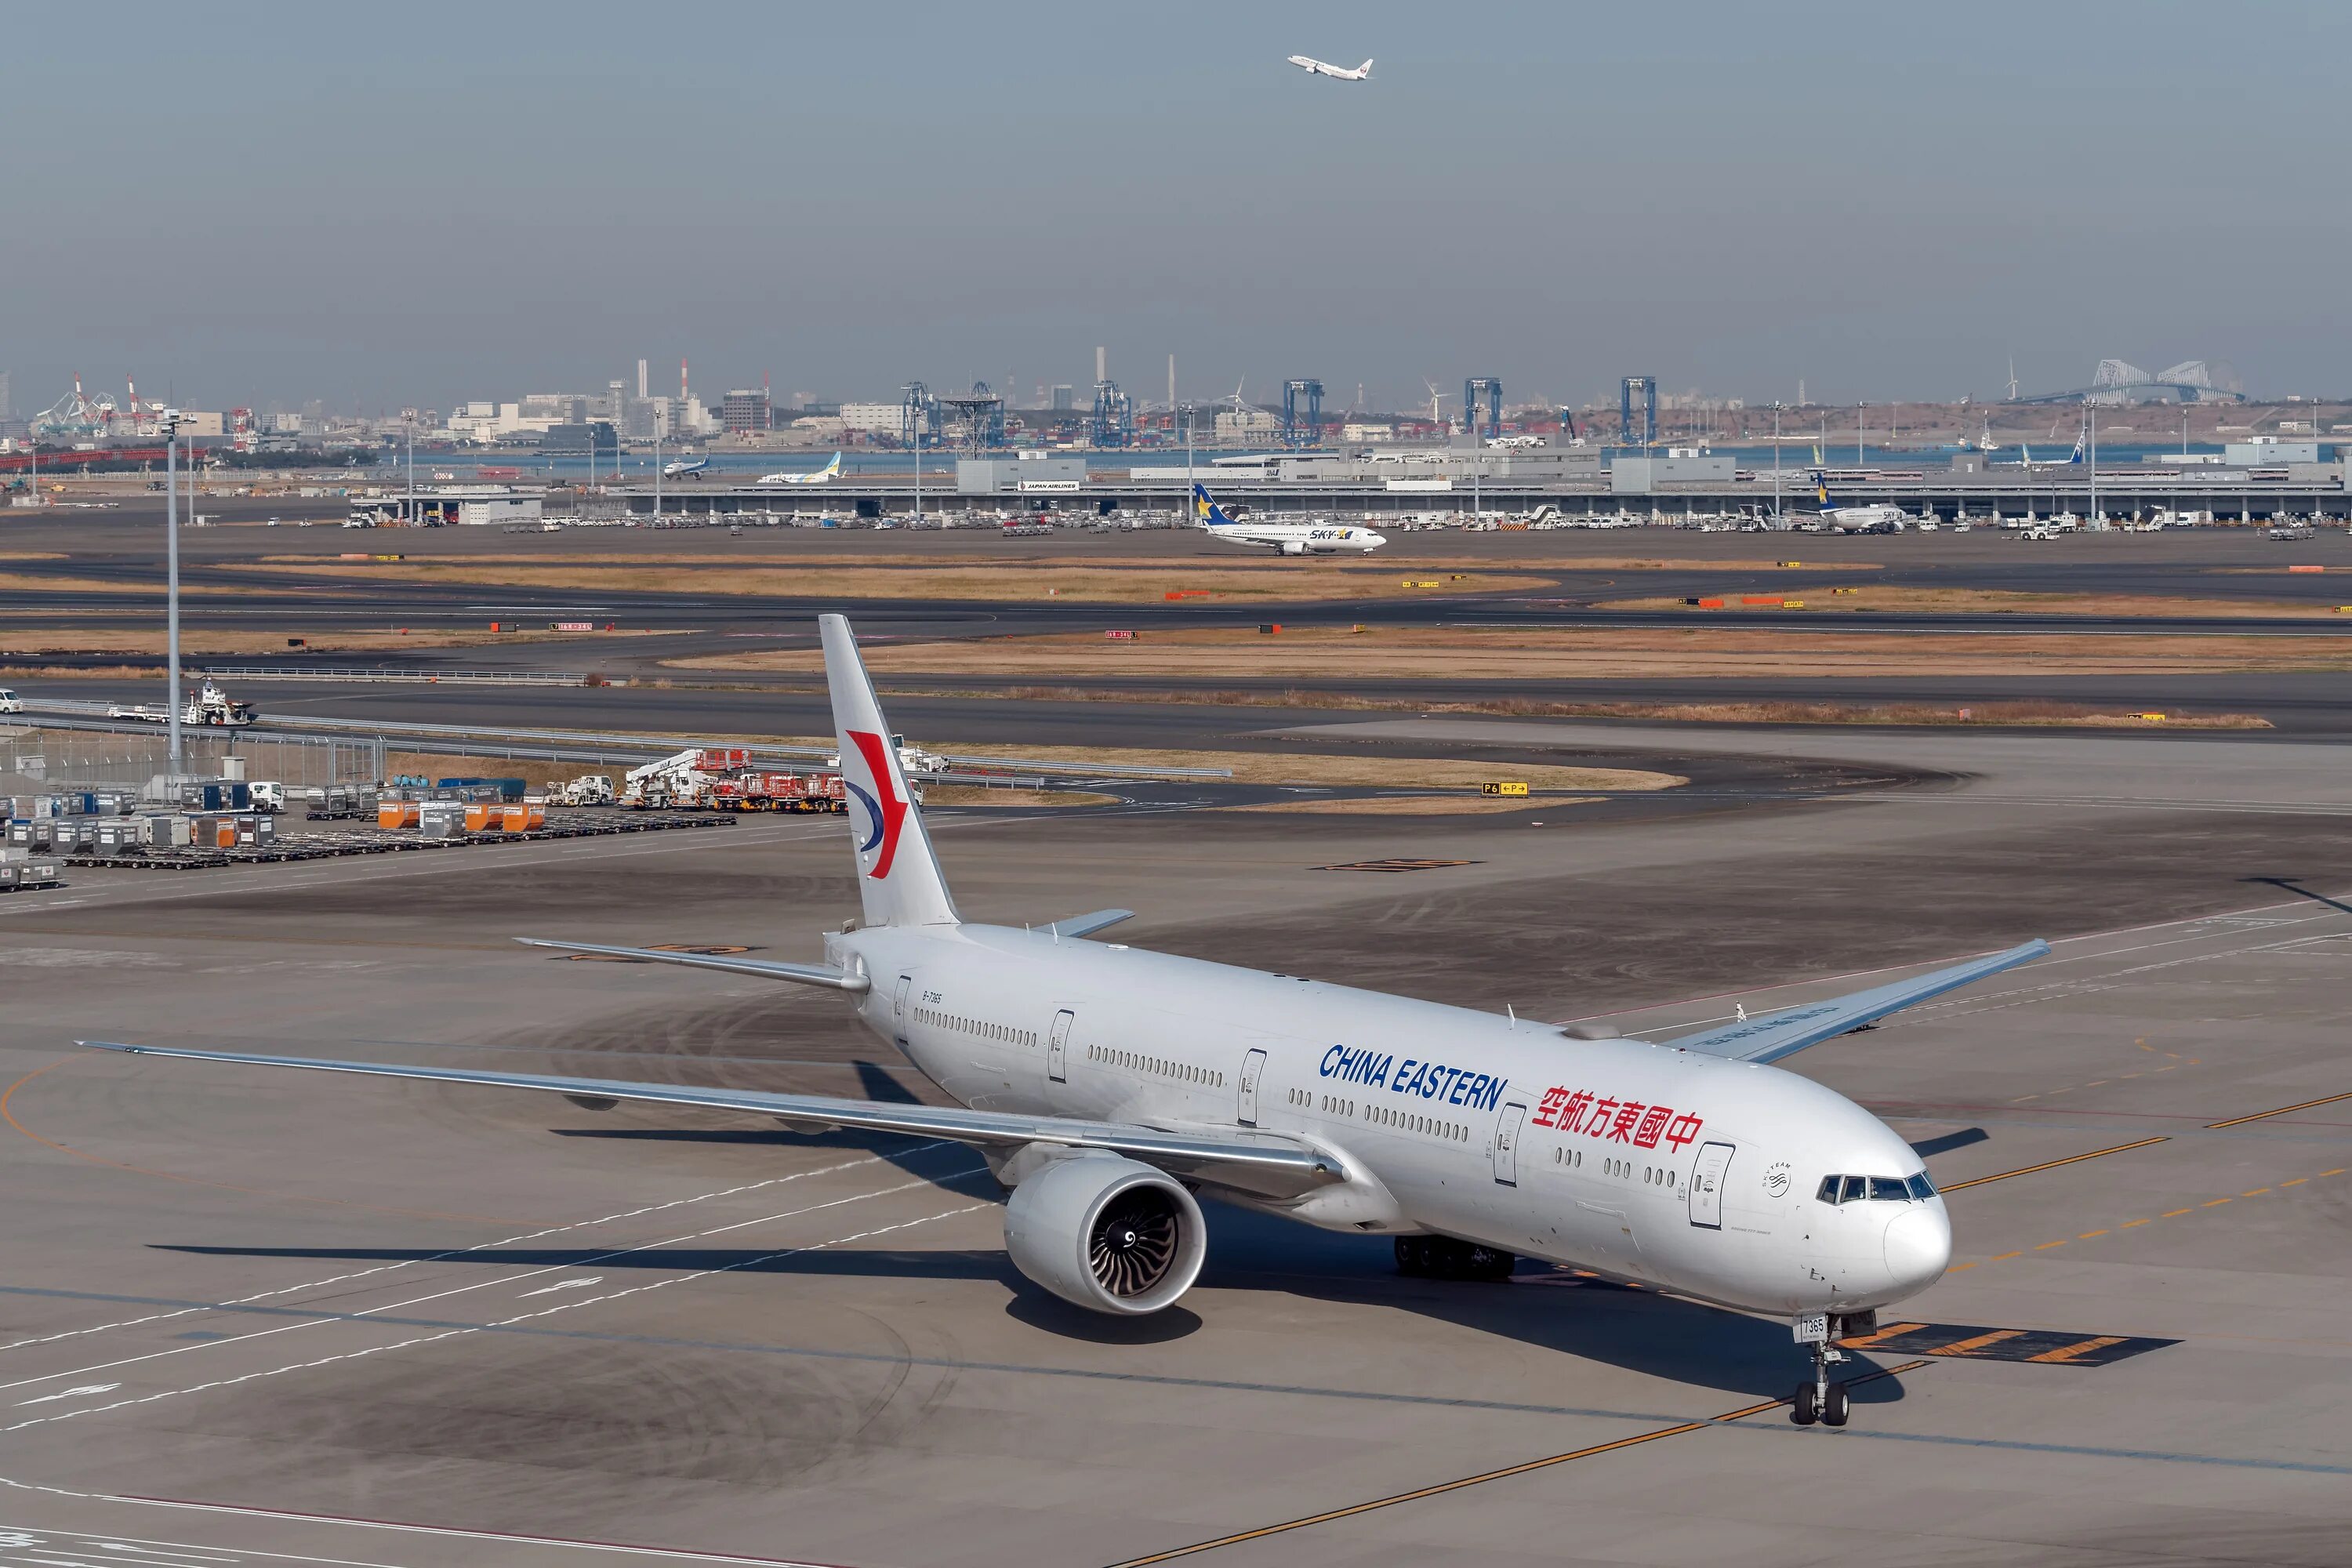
[
  {"x": 459, "y": 1291},
  {"x": 503, "y": 1322},
  {"x": 566, "y": 1285},
  {"x": 84, "y": 1392},
  {"x": 457, "y": 1252}
]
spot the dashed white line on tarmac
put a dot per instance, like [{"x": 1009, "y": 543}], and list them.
[
  {"x": 501, "y": 1323},
  {"x": 463, "y": 1289},
  {"x": 457, "y": 1252}
]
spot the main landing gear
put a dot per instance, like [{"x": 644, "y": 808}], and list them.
[
  {"x": 1821, "y": 1400},
  {"x": 1442, "y": 1257}
]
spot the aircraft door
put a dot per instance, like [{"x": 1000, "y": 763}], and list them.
[
  {"x": 1506, "y": 1143},
  {"x": 1253, "y": 1068},
  {"x": 1057, "y": 1047},
  {"x": 1707, "y": 1186},
  {"x": 898, "y": 1001}
]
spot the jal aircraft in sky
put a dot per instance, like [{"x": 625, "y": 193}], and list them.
[
  {"x": 823, "y": 476},
  {"x": 1107, "y": 1086},
  {"x": 1289, "y": 538},
  {"x": 1314, "y": 67}
]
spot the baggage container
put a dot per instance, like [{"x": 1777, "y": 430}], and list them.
[
  {"x": 506, "y": 790},
  {"x": 396, "y": 814},
  {"x": 525, "y": 819},
  {"x": 10, "y": 875},
  {"x": 483, "y": 817},
  {"x": 38, "y": 874}
]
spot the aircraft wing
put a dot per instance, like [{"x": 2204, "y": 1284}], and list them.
[
  {"x": 823, "y": 975},
  {"x": 1263, "y": 1163},
  {"x": 1768, "y": 1037},
  {"x": 1086, "y": 925}
]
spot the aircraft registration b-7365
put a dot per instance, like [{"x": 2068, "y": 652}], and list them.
[
  {"x": 1289, "y": 538},
  {"x": 1106, "y": 1087},
  {"x": 1314, "y": 67}
]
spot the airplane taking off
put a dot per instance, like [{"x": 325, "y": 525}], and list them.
[
  {"x": 1289, "y": 538},
  {"x": 1105, "y": 1085},
  {"x": 1314, "y": 67},
  {"x": 682, "y": 468},
  {"x": 823, "y": 476},
  {"x": 1878, "y": 518}
]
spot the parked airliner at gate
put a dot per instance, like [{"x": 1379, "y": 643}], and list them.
[{"x": 1108, "y": 1086}]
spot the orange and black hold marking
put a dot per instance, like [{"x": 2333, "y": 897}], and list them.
[{"x": 1965, "y": 1342}]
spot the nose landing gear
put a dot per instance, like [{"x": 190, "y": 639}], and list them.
[{"x": 1820, "y": 1400}]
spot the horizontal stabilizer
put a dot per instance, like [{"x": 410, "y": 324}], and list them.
[
  {"x": 798, "y": 973},
  {"x": 1265, "y": 1164},
  {"x": 1768, "y": 1037},
  {"x": 1086, "y": 925}
]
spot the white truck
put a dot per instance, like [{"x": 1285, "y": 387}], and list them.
[
  {"x": 10, "y": 703},
  {"x": 208, "y": 705}
]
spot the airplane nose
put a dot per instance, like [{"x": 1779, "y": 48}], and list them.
[{"x": 1919, "y": 1246}]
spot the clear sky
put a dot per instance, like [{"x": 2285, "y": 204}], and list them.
[{"x": 419, "y": 203}]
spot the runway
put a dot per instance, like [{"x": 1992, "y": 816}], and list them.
[{"x": 362, "y": 1322}]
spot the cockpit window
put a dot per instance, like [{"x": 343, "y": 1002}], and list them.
[{"x": 1877, "y": 1189}]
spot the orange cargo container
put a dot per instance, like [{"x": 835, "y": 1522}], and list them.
[
  {"x": 1759, "y": 599},
  {"x": 524, "y": 818},
  {"x": 481, "y": 817},
  {"x": 396, "y": 814}
]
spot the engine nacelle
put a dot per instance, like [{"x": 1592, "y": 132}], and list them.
[
  {"x": 1294, "y": 547},
  {"x": 1107, "y": 1233}
]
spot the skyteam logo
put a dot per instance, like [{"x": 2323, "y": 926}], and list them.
[{"x": 885, "y": 816}]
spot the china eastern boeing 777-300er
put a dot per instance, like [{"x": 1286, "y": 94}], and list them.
[
  {"x": 1289, "y": 538},
  {"x": 1110, "y": 1087},
  {"x": 1314, "y": 67}
]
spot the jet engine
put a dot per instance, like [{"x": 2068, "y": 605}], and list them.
[
  {"x": 1294, "y": 547},
  {"x": 1106, "y": 1232}
]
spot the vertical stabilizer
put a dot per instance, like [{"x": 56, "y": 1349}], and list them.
[{"x": 899, "y": 879}]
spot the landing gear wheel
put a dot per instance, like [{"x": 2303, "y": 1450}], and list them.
[
  {"x": 1803, "y": 1409},
  {"x": 1488, "y": 1263},
  {"x": 1837, "y": 1406},
  {"x": 1413, "y": 1256}
]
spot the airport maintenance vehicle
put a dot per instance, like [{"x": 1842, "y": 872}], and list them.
[
  {"x": 208, "y": 705},
  {"x": 724, "y": 778}
]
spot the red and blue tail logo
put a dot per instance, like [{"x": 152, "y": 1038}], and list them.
[{"x": 888, "y": 814}]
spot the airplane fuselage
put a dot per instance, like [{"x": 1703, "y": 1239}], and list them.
[
  {"x": 1301, "y": 539},
  {"x": 1684, "y": 1171}
]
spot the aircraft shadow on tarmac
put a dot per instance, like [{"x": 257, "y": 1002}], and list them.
[{"x": 1578, "y": 1317}]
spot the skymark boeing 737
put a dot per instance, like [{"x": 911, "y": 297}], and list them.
[
  {"x": 1107, "y": 1086},
  {"x": 1289, "y": 538}
]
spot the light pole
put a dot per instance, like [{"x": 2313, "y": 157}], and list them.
[
  {"x": 2098, "y": 518},
  {"x": 408, "y": 434},
  {"x": 658, "y": 468},
  {"x": 919, "y": 464},
  {"x": 1776, "y": 463},
  {"x": 1185, "y": 506},
  {"x": 171, "y": 423}
]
